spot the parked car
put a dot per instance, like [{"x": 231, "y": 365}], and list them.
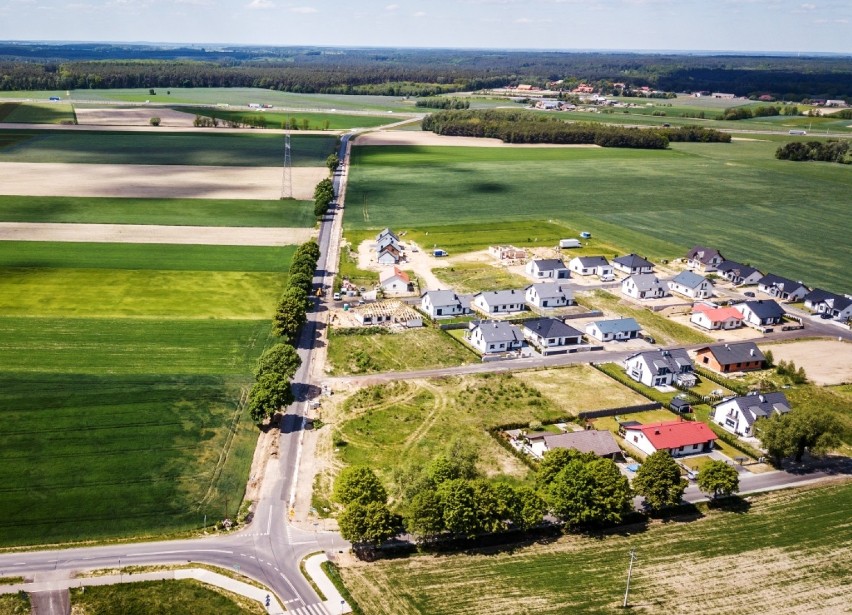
[
  {"x": 337, "y": 296},
  {"x": 825, "y": 316},
  {"x": 649, "y": 339},
  {"x": 748, "y": 293}
]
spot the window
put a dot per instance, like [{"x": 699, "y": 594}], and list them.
[
  {"x": 439, "y": 312},
  {"x": 636, "y": 438}
]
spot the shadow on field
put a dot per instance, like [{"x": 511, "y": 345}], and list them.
[
  {"x": 490, "y": 187},
  {"x": 734, "y": 504}
]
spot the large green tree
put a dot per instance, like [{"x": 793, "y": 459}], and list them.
[
  {"x": 659, "y": 481},
  {"x": 589, "y": 493},
  {"x": 719, "y": 479},
  {"x": 802, "y": 429},
  {"x": 270, "y": 392},
  {"x": 289, "y": 317},
  {"x": 460, "y": 507},
  {"x": 359, "y": 484},
  {"x": 424, "y": 517},
  {"x": 280, "y": 359},
  {"x": 371, "y": 523},
  {"x": 554, "y": 461}
]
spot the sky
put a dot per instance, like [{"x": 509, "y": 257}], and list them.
[{"x": 684, "y": 25}]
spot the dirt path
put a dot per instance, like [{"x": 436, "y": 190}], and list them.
[
  {"x": 154, "y": 181},
  {"x": 421, "y": 262},
  {"x": 132, "y": 233}
]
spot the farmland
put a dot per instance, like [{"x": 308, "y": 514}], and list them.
[
  {"x": 791, "y": 546},
  {"x": 163, "y": 148},
  {"x": 298, "y": 120},
  {"x": 28, "y": 113},
  {"x": 657, "y": 203}
]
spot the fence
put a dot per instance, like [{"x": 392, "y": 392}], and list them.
[{"x": 596, "y": 414}]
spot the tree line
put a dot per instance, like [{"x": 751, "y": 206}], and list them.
[
  {"x": 819, "y": 151},
  {"x": 450, "y": 499},
  {"x": 523, "y": 127},
  {"x": 442, "y": 103}
]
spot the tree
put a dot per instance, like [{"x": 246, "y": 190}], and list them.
[
  {"x": 359, "y": 484},
  {"x": 531, "y": 510},
  {"x": 268, "y": 394},
  {"x": 154, "y": 121},
  {"x": 590, "y": 492},
  {"x": 425, "y": 515},
  {"x": 371, "y": 523},
  {"x": 659, "y": 482},
  {"x": 289, "y": 317},
  {"x": 554, "y": 461},
  {"x": 459, "y": 461},
  {"x": 718, "y": 478},
  {"x": 802, "y": 429},
  {"x": 460, "y": 509},
  {"x": 280, "y": 359},
  {"x": 302, "y": 281},
  {"x": 332, "y": 162}
]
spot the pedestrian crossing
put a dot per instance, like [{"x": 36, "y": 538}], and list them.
[{"x": 311, "y": 609}]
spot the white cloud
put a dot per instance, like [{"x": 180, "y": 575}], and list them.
[
  {"x": 261, "y": 4},
  {"x": 303, "y": 10},
  {"x": 420, "y": 14},
  {"x": 391, "y": 7},
  {"x": 808, "y": 7}
]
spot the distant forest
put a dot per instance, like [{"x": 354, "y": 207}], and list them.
[{"x": 409, "y": 72}]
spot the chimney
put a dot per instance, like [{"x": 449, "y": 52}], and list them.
[
  {"x": 751, "y": 352},
  {"x": 727, "y": 346},
  {"x": 762, "y": 398}
]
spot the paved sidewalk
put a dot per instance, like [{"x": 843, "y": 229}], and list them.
[{"x": 334, "y": 602}]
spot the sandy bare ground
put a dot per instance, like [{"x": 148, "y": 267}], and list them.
[
  {"x": 826, "y": 362},
  {"x": 413, "y": 137},
  {"x": 154, "y": 181},
  {"x": 420, "y": 262},
  {"x": 133, "y": 233},
  {"x": 138, "y": 116}
]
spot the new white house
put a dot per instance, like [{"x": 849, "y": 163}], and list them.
[
  {"x": 494, "y": 336},
  {"x": 715, "y": 318},
  {"x": 679, "y": 438},
  {"x": 632, "y": 264},
  {"x": 614, "y": 330},
  {"x": 661, "y": 367},
  {"x": 739, "y": 274},
  {"x": 500, "y": 301},
  {"x": 644, "y": 286},
  {"x": 782, "y": 288},
  {"x": 546, "y": 295},
  {"x": 739, "y": 414},
  {"x": 591, "y": 265},
  {"x": 761, "y": 313},
  {"x": 550, "y": 335},
  {"x": 703, "y": 259},
  {"x": 394, "y": 281},
  {"x": 547, "y": 268},
  {"x": 444, "y": 304},
  {"x": 692, "y": 285},
  {"x": 839, "y": 307}
]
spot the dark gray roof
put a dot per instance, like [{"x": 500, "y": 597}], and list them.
[
  {"x": 702, "y": 254},
  {"x": 662, "y": 359},
  {"x": 743, "y": 352},
  {"x": 618, "y": 325},
  {"x": 689, "y": 279},
  {"x": 499, "y": 331},
  {"x": 549, "y": 264},
  {"x": 817, "y": 295},
  {"x": 593, "y": 261},
  {"x": 632, "y": 261},
  {"x": 551, "y": 327},
  {"x": 739, "y": 269},
  {"x": 599, "y": 442},
  {"x": 765, "y": 308},
  {"x": 784, "y": 284},
  {"x": 386, "y": 231},
  {"x": 762, "y": 405},
  {"x": 833, "y": 300},
  {"x": 551, "y": 291}
]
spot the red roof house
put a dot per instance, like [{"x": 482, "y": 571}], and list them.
[
  {"x": 710, "y": 317},
  {"x": 679, "y": 438}
]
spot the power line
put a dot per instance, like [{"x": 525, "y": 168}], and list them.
[{"x": 629, "y": 574}]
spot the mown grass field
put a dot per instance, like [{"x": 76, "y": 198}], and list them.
[
  {"x": 410, "y": 350},
  {"x": 188, "y": 148},
  {"x": 169, "y": 212},
  {"x": 794, "y": 547},
  {"x": 279, "y": 119},
  {"x": 477, "y": 277},
  {"x": 36, "y": 113},
  {"x": 184, "y": 597},
  {"x": 736, "y": 197},
  {"x": 121, "y": 386}
]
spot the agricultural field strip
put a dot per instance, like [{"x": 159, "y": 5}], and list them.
[{"x": 130, "y": 233}]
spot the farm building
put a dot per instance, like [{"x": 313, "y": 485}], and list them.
[
  {"x": 728, "y": 358},
  {"x": 643, "y": 286},
  {"x": 703, "y": 259},
  {"x": 761, "y": 313},
  {"x": 691, "y": 285},
  {"x": 591, "y": 265},
  {"x": 445, "y": 303},
  {"x": 395, "y": 281},
  {"x": 678, "y": 437},
  {"x": 739, "y": 274},
  {"x": 545, "y": 295},
  {"x": 661, "y": 367},
  {"x": 499, "y": 301},
  {"x": 391, "y": 312},
  {"x": 614, "y": 330},
  {"x": 632, "y": 264},
  {"x": 551, "y": 336},
  {"x": 782, "y": 288},
  {"x": 547, "y": 268},
  {"x": 600, "y": 442},
  {"x": 713, "y": 318},
  {"x": 494, "y": 336},
  {"x": 739, "y": 414}
]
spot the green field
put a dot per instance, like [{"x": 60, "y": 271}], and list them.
[
  {"x": 169, "y": 212},
  {"x": 185, "y": 597},
  {"x": 278, "y": 119},
  {"x": 736, "y": 197},
  {"x": 476, "y": 277},
  {"x": 794, "y": 547},
  {"x": 165, "y": 148},
  {"x": 36, "y": 113}
]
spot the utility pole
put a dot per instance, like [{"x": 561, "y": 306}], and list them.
[{"x": 629, "y": 574}]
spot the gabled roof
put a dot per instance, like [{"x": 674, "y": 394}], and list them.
[
  {"x": 762, "y": 405},
  {"x": 739, "y": 269},
  {"x": 551, "y": 327},
  {"x": 783, "y": 284},
  {"x": 764, "y": 308},
  {"x": 386, "y": 231},
  {"x": 726, "y": 354},
  {"x": 661, "y": 359},
  {"x": 502, "y": 297},
  {"x": 689, "y": 279},
  {"x": 817, "y": 295},
  {"x": 498, "y": 331},
  {"x": 441, "y": 297},
  {"x": 599, "y": 442},
  {"x": 702, "y": 254},
  {"x": 832, "y": 300},
  {"x": 674, "y": 434},
  {"x": 388, "y": 274},
  {"x": 549, "y": 264},
  {"x": 617, "y": 325},
  {"x": 550, "y": 291},
  {"x": 633, "y": 261},
  {"x": 644, "y": 281},
  {"x": 593, "y": 261},
  {"x": 389, "y": 249},
  {"x": 719, "y": 314}
]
